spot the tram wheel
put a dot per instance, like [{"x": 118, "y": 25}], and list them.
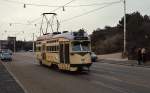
[
  {"x": 89, "y": 69},
  {"x": 40, "y": 62}
]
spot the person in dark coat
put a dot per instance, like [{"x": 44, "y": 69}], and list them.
[
  {"x": 139, "y": 56},
  {"x": 143, "y": 53}
]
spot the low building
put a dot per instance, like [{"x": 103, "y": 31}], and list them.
[
  {"x": 14, "y": 45},
  {"x": 11, "y": 43},
  {"x": 3, "y": 44}
]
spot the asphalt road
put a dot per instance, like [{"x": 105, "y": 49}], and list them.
[{"x": 103, "y": 78}]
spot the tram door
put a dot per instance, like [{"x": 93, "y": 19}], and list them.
[
  {"x": 43, "y": 52},
  {"x": 64, "y": 53}
]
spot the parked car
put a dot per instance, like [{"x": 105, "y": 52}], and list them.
[
  {"x": 7, "y": 51},
  {"x": 30, "y": 50},
  {"x": 6, "y": 56},
  {"x": 93, "y": 57},
  {"x": 10, "y": 52},
  {"x": 0, "y": 51}
]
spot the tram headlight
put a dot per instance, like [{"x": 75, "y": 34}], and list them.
[
  {"x": 82, "y": 59},
  {"x": 72, "y": 53}
]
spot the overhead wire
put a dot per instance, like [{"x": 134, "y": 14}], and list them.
[
  {"x": 19, "y": 23},
  {"x": 19, "y": 2},
  {"x": 94, "y": 4},
  {"x": 107, "y": 5},
  {"x": 39, "y": 5},
  {"x": 32, "y": 4},
  {"x": 63, "y": 5},
  {"x": 104, "y": 3},
  {"x": 53, "y": 10}
]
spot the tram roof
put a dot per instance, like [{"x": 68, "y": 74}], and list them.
[{"x": 68, "y": 35}]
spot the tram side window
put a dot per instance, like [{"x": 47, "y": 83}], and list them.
[
  {"x": 38, "y": 49},
  {"x": 38, "y": 43},
  {"x": 52, "y": 48},
  {"x": 48, "y": 48},
  {"x": 57, "y": 48}
]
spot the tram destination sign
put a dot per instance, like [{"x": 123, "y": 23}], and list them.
[{"x": 80, "y": 38}]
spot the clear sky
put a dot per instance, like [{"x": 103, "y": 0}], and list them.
[{"x": 14, "y": 12}]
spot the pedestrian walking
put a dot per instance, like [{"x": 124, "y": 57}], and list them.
[
  {"x": 143, "y": 53},
  {"x": 139, "y": 56}
]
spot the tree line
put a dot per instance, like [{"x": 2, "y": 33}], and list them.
[{"x": 110, "y": 39}]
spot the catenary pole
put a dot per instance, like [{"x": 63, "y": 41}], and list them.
[
  {"x": 124, "y": 48},
  {"x": 33, "y": 43},
  {"x": 14, "y": 43}
]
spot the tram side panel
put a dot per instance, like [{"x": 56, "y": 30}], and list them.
[
  {"x": 52, "y": 57},
  {"x": 52, "y": 53},
  {"x": 38, "y": 51}
]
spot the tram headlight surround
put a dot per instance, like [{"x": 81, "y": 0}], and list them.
[
  {"x": 72, "y": 54},
  {"x": 82, "y": 59}
]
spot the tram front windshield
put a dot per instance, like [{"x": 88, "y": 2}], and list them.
[{"x": 80, "y": 46}]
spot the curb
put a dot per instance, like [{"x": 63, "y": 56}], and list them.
[
  {"x": 125, "y": 63},
  {"x": 115, "y": 59},
  {"x": 15, "y": 78}
]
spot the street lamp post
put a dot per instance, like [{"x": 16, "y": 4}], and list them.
[
  {"x": 1, "y": 43},
  {"x": 14, "y": 43},
  {"x": 33, "y": 43},
  {"x": 124, "y": 47}
]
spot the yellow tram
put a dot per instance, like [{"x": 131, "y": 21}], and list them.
[{"x": 68, "y": 51}]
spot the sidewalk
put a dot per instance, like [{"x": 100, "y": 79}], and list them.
[
  {"x": 117, "y": 59},
  {"x": 7, "y": 82}
]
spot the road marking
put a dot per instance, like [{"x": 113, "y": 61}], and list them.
[{"x": 15, "y": 78}]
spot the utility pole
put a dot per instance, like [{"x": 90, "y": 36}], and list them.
[
  {"x": 124, "y": 48},
  {"x": 33, "y": 43},
  {"x": 14, "y": 45},
  {"x": 0, "y": 44}
]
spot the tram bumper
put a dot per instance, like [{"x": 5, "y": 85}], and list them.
[
  {"x": 81, "y": 65},
  {"x": 76, "y": 67}
]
